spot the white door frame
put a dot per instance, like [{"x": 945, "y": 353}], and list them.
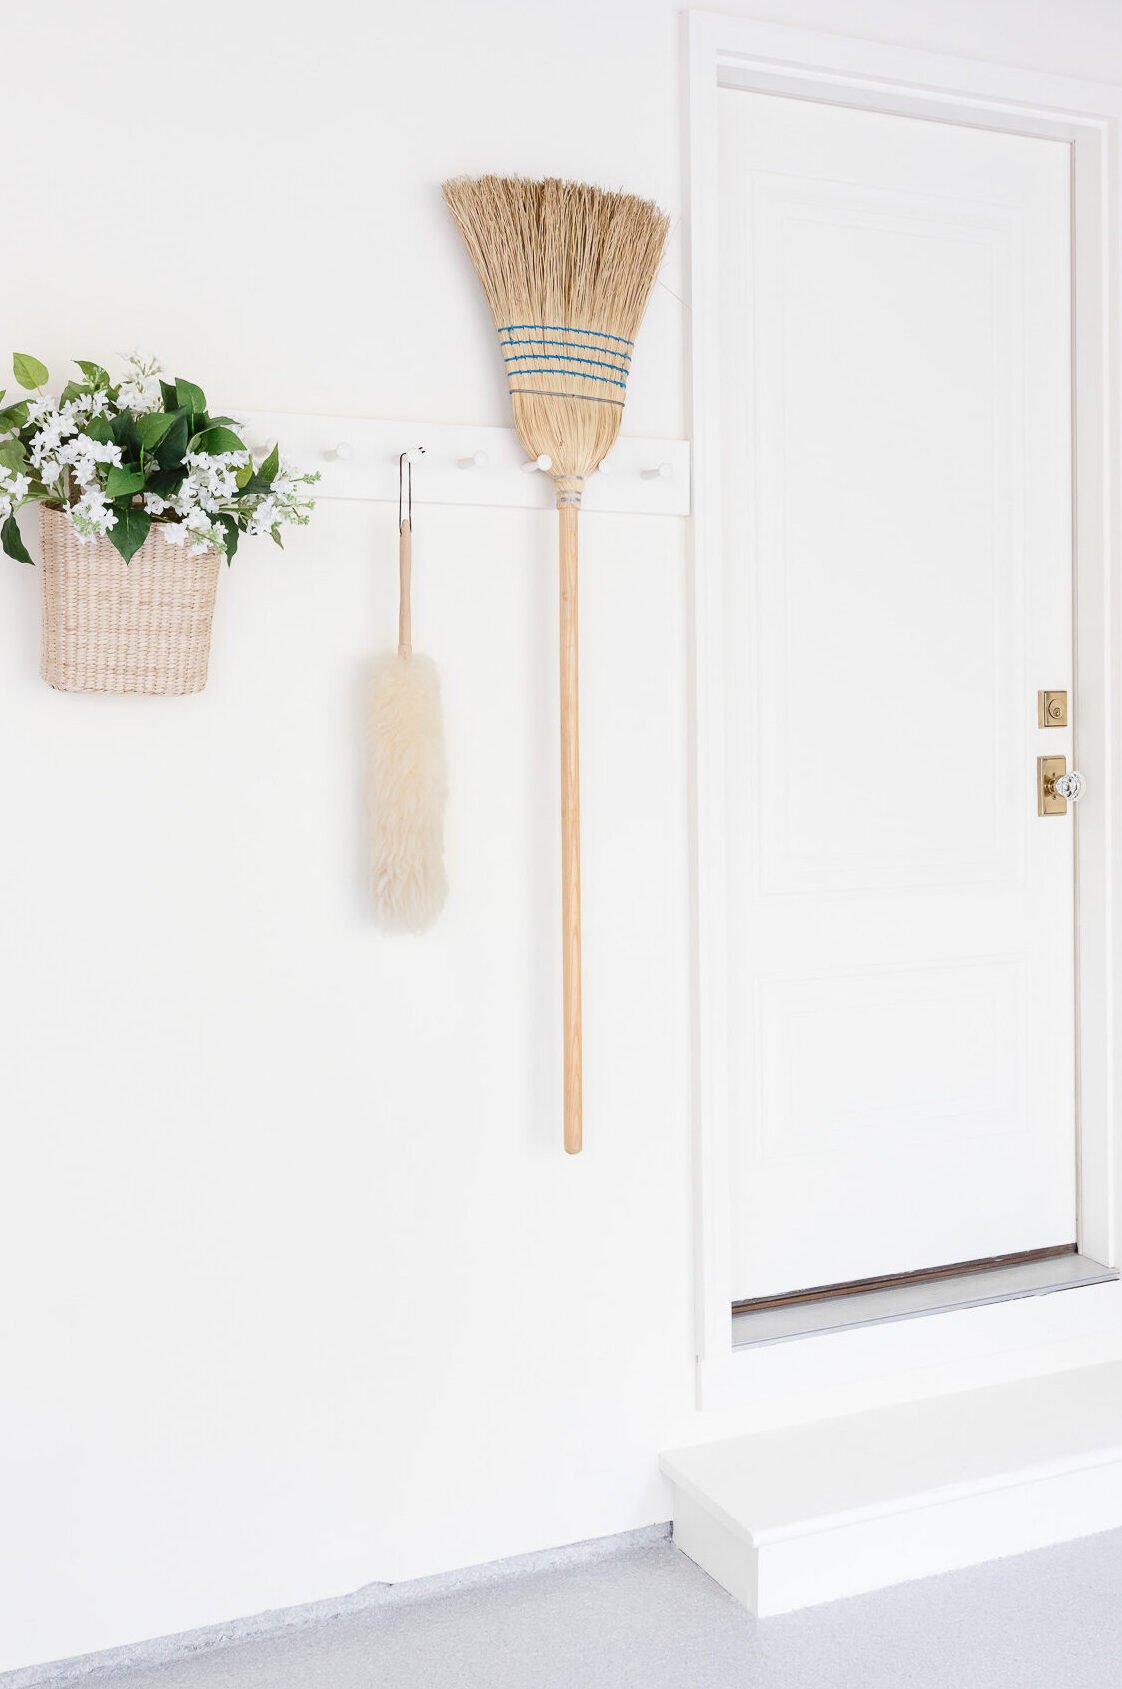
[{"x": 957, "y": 1349}]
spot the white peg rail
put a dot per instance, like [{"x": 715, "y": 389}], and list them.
[{"x": 358, "y": 459}]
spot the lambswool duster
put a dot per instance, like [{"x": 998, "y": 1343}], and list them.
[
  {"x": 408, "y": 783},
  {"x": 566, "y": 270}
]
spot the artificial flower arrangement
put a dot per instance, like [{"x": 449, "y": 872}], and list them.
[
  {"x": 119, "y": 457},
  {"x": 111, "y": 464}
]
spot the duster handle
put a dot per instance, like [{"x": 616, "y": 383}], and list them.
[
  {"x": 405, "y": 577},
  {"x": 570, "y": 827}
]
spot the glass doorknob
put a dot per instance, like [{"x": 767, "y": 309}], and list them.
[{"x": 1055, "y": 787}]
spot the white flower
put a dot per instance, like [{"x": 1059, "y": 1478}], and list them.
[
  {"x": 84, "y": 455},
  {"x": 209, "y": 488},
  {"x": 207, "y": 533},
  {"x": 140, "y": 390},
  {"x": 43, "y": 445},
  {"x": 54, "y": 426},
  {"x": 85, "y": 406},
  {"x": 285, "y": 502},
  {"x": 198, "y": 532},
  {"x": 92, "y": 517},
  {"x": 211, "y": 481},
  {"x": 38, "y": 408},
  {"x": 264, "y": 518},
  {"x": 13, "y": 489}
]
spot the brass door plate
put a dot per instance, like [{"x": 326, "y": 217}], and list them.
[
  {"x": 1048, "y": 771},
  {"x": 1051, "y": 709}
]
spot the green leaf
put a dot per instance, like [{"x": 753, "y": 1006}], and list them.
[
  {"x": 166, "y": 482},
  {"x": 28, "y": 371},
  {"x": 230, "y": 526},
  {"x": 169, "y": 452},
  {"x": 94, "y": 374},
  {"x": 275, "y": 531},
  {"x": 215, "y": 440},
  {"x": 71, "y": 391},
  {"x": 13, "y": 543},
  {"x": 167, "y": 388},
  {"x": 125, "y": 435},
  {"x": 130, "y": 531},
  {"x": 260, "y": 480},
  {"x": 14, "y": 416},
  {"x": 152, "y": 428},
  {"x": 129, "y": 478},
  {"x": 189, "y": 397},
  {"x": 13, "y": 454},
  {"x": 101, "y": 429}
]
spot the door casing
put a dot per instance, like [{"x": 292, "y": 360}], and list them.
[{"x": 958, "y": 1349}]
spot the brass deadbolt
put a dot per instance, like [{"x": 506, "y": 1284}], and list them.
[{"x": 1051, "y": 709}]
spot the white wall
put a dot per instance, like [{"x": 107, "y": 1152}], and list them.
[{"x": 297, "y": 1290}]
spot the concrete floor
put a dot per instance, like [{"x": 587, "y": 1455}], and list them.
[{"x": 647, "y": 1618}]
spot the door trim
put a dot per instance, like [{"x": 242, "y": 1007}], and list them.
[{"x": 729, "y": 52}]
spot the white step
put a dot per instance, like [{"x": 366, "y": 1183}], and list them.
[{"x": 788, "y": 1518}]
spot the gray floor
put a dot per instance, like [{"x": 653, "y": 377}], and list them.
[{"x": 647, "y": 1618}]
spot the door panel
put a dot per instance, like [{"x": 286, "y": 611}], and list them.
[{"x": 897, "y": 517}]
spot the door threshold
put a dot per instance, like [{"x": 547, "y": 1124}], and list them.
[{"x": 971, "y": 1289}]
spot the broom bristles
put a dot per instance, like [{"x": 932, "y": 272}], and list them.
[{"x": 567, "y": 270}]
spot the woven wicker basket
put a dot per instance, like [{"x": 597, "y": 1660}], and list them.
[{"x": 109, "y": 626}]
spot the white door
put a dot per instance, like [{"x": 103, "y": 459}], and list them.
[{"x": 895, "y": 390}]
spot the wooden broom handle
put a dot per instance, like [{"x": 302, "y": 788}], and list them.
[
  {"x": 405, "y": 585},
  {"x": 570, "y": 827}
]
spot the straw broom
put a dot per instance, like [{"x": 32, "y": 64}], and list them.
[{"x": 566, "y": 269}]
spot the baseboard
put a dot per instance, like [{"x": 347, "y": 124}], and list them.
[
  {"x": 788, "y": 1519},
  {"x": 162, "y": 1650}
]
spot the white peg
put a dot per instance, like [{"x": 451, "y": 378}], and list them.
[
  {"x": 342, "y": 451},
  {"x": 661, "y": 473},
  {"x": 477, "y": 460},
  {"x": 543, "y": 462}
]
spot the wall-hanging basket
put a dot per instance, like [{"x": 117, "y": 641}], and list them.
[
  {"x": 142, "y": 493},
  {"x": 111, "y": 626}
]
